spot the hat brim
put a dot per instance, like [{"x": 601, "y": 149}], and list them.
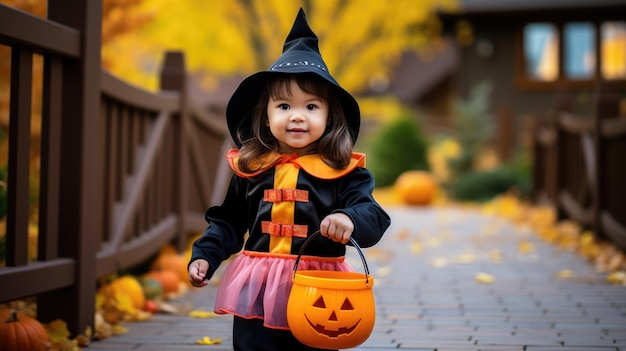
[{"x": 243, "y": 101}]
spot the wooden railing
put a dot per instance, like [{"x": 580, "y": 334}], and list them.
[
  {"x": 160, "y": 155},
  {"x": 123, "y": 170},
  {"x": 580, "y": 165}
]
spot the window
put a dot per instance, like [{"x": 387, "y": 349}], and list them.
[
  {"x": 613, "y": 36},
  {"x": 580, "y": 52},
  {"x": 569, "y": 53},
  {"x": 541, "y": 50}
]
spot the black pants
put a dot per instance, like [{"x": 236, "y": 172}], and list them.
[{"x": 250, "y": 334}]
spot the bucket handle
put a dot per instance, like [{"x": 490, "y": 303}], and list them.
[{"x": 352, "y": 241}]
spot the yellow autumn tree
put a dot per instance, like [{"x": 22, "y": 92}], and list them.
[
  {"x": 119, "y": 17},
  {"x": 360, "y": 40}
]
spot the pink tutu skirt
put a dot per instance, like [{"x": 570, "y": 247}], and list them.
[{"x": 257, "y": 285}]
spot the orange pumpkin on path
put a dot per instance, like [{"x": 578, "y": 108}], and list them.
[
  {"x": 127, "y": 285},
  {"x": 416, "y": 187},
  {"x": 169, "y": 259},
  {"x": 168, "y": 278},
  {"x": 20, "y": 332}
]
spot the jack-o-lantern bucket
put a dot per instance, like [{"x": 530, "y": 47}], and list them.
[{"x": 331, "y": 309}]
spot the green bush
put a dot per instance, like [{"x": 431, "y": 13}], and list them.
[
  {"x": 399, "y": 146},
  {"x": 473, "y": 124},
  {"x": 482, "y": 186}
]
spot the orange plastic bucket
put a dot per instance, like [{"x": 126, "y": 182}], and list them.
[{"x": 331, "y": 309}]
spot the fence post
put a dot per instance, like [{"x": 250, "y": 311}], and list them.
[
  {"x": 19, "y": 156},
  {"x": 80, "y": 202},
  {"x": 174, "y": 77},
  {"x": 605, "y": 105}
]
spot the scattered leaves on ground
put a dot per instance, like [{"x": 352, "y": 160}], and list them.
[
  {"x": 484, "y": 278},
  {"x": 528, "y": 220},
  {"x": 202, "y": 314},
  {"x": 208, "y": 341},
  {"x": 565, "y": 234}
]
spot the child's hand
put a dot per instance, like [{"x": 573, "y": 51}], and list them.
[
  {"x": 337, "y": 227},
  {"x": 197, "y": 272}
]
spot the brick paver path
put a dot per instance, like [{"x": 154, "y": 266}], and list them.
[{"x": 428, "y": 297}]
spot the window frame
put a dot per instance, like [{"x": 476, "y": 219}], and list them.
[{"x": 562, "y": 81}]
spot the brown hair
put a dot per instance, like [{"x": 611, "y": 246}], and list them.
[{"x": 335, "y": 145}]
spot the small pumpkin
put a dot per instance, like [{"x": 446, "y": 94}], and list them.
[
  {"x": 152, "y": 288},
  {"x": 172, "y": 261},
  {"x": 127, "y": 285},
  {"x": 20, "y": 332},
  {"x": 416, "y": 187},
  {"x": 168, "y": 279}
]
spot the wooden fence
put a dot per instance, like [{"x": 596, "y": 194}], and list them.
[
  {"x": 580, "y": 164},
  {"x": 123, "y": 171}
]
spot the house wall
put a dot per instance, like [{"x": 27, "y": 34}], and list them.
[
  {"x": 500, "y": 70},
  {"x": 514, "y": 100}
]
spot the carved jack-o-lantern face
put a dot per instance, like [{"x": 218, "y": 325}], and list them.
[
  {"x": 325, "y": 316},
  {"x": 331, "y": 309}
]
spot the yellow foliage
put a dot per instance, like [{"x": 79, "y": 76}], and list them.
[
  {"x": 358, "y": 39},
  {"x": 382, "y": 109},
  {"x": 57, "y": 330},
  {"x": 565, "y": 234},
  {"x": 60, "y": 337},
  {"x": 440, "y": 153}
]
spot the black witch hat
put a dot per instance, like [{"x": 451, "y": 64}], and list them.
[{"x": 301, "y": 55}]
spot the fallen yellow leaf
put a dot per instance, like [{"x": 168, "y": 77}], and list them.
[
  {"x": 416, "y": 248},
  {"x": 439, "y": 262},
  {"x": 103, "y": 328},
  {"x": 138, "y": 316},
  {"x": 618, "y": 277},
  {"x": 202, "y": 314},
  {"x": 208, "y": 341},
  {"x": 525, "y": 247},
  {"x": 383, "y": 271},
  {"x": 124, "y": 303},
  {"x": 495, "y": 256},
  {"x": 485, "y": 278},
  {"x": 84, "y": 339},
  {"x": 565, "y": 274},
  {"x": 464, "y": 258},
  {"x": 434, "y": 242},
  {"x": 403, "y": 234},
  {"x": 118, "y": 329},
  {"x": 100, "y": 300},
  {"x": 57, "y": 330}
]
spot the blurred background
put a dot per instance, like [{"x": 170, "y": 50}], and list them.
[
  {"x": 451, "y": 87},
  {"x": 462, "y": 101}
]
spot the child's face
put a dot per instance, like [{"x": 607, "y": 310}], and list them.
[{"x": 297, "y": 120}]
